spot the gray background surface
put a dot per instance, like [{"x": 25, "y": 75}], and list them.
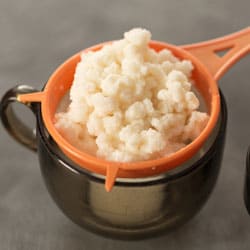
[{"x": 36, "y": 36}]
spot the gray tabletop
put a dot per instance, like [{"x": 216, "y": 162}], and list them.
[{"x": 35, "y": 37}]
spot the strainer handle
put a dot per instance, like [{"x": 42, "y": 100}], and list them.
[
  {"x": 16, "y": 128},
  {"x": 235, "y": 47}
]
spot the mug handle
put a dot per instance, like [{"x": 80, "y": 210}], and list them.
[{"x": 15, "y": 127}]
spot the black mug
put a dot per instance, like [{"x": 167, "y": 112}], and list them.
[
  {"x": 135, "y": 208},
  {"x": 247, "y": 182}
]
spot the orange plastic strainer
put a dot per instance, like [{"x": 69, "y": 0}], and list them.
[{"x": 208, "y": 68}]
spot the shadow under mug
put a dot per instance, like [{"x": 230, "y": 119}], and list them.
[{"x": 136, "y": 208}]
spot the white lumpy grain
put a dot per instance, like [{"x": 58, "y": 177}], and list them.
[{"x": 130, "y": 103}]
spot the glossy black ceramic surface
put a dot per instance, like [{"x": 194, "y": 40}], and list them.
[{"x": 133, "y": 209}]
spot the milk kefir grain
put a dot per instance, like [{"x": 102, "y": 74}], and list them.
[{"x": 130, "y": 103}]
